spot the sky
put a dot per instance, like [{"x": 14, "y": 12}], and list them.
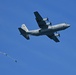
[{"x": 39, "y": 55}]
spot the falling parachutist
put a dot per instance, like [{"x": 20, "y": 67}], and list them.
[{"x": 8, "y": 56}]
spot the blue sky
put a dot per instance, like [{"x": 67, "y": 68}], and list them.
[{"x": 39, "y": 55}]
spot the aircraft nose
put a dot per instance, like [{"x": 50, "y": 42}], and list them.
[{"x": 68, "y": 25}]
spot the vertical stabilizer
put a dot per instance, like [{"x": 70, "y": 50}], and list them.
[{"x": 24, "y": 27}]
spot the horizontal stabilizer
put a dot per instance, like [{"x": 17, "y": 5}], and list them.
[{"x": 23, "y": 32}]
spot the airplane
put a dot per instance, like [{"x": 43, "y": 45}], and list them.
[{"x": 46, "y": 28}]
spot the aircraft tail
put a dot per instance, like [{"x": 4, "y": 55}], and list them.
[
  {"x": 24, "y": 27},
  {"x": 23, "y": 30}
]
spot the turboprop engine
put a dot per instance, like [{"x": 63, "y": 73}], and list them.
[
  {"x": 48, "y": 23},
  {"x": 45, "y": 19},
  {"x": 57, "y": 34}
]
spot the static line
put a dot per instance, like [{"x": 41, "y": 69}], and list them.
[{"x": 8, "y": 56}]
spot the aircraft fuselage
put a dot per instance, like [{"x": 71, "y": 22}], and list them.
[{"x": 49, "y": 30}]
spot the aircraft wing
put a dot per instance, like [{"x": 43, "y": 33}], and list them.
[
  {"x": 39, "y": 19},
  {"x": 53, "y": 37}
]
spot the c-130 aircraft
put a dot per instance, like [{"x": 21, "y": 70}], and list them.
[{"x": 46, "y": 28}]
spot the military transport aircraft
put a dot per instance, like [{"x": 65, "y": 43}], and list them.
[{"x": 46, "y": 28}]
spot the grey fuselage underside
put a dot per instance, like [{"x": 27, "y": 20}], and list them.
[{"x": 47, "y": 31}]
